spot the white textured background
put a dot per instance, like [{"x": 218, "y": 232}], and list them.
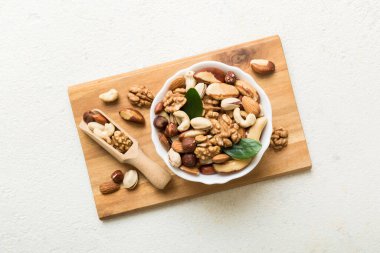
[{"x": 332, "y": 49}]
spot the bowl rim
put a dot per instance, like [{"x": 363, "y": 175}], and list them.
[{"x": 216, "y": 178}]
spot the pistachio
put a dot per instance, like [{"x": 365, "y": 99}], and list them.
[
  {"x": 131, "y": 179},
  {"x": 230, "y": 103}
]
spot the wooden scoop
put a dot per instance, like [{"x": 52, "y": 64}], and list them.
[{"x": 158, "y": 176}]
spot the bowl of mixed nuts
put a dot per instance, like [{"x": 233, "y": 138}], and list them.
[{"x": 211, "y": 123}]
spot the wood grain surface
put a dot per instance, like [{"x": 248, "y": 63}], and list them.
[{"x": 100, "y": 164}]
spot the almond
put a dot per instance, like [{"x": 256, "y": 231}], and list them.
[
  {"x": 247, "y": 90},
  {"x": 177, "y": 146},
  {"x": 159, "y": 108},
  {"x": 131, "y": 179},
  {"x": 192, "y": 171},
  {"x": 108, "y": 187},
  {"x": 220, "y": 91},
  {"x": 221, "y": 158},
  {"x": 210, "y": 75},
  {"x": 132, "y": 115},
  {"x": 251, "y": 106},
  {"x": 165, "y": 141},
  {"x": 178, "y": 82},
  {"x": 262, "y": 66}
]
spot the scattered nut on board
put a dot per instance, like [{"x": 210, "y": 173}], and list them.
[
  {"x": 279, "y": 139},
  {"x": 140, "y": 96},
  {"x": 117, "y": 176},
  {"x": 132, "y": 115},
  {"x": 109, "y": 96},
  {"x": 131, "y": 179},
  {"x": 262, "y": 66},
  {"x": 108, "y": 187}
]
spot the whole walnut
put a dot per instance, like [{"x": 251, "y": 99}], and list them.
[
  {"x": 121, "y": 142},
  {"x": 174, "y": 101},
  {"x": 225, "y": 131},
  {"x": 279, "y": 139},
  {"x": 140, "y": 96},
  {"x": 207, "y": 153}
]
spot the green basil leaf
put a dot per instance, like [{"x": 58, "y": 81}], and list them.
[
  {"x": 246, "y": 148},
  {"x": 193, "y": 106}
]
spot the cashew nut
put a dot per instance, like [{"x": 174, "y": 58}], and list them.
[
  {"x": 183, "y": 120},
  {"x": 256, "y": 130},
  {"x": 174, "y": 158},
  {"x": 95, "y": 125},
  {"x": 109, "y": 96},
  {"x": 244, "y": 123},
  {"x": 190, "y": 80},
  {"x": 106, "y": 133}
]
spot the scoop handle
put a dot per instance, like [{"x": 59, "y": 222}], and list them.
[{"x": 156, "y": 175}]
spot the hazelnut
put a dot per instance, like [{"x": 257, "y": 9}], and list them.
[
  {"x": 159, "y": 107},
  {"x": 160, "y": 122},
  {"x": 165, "y": 141},
  {"x": 207, "y": 169},
  {"x": 87, "y": 117},
  {"x": 230, "y": 77},
  {"x": 189, "y": 144},
  {"x": 117, "y": 176},
  {"x": 100, "y": 118},
  {"x": 171, "y": 130},
  {"x": 189, "y": 160}
]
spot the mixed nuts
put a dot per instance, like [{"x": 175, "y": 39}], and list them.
[
  {"x": 210, "y": 122},
  {"x": 105, "y": 130}
]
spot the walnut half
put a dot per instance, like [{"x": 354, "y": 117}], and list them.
[
  {"x": 173, "y": 101},
  {"x": 140, "y": 96}
]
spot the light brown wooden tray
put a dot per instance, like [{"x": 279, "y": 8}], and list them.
[{"x": 100, "y": 164}]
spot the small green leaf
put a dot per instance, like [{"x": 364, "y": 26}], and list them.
[
  {"x": 193, "y": 106},
  {"x": 245, "y": 149}
]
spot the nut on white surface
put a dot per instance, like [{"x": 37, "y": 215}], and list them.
[{"x": 131, "y": 179}]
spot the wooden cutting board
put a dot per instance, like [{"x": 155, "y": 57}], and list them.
[{"x": 100, "y": 164}]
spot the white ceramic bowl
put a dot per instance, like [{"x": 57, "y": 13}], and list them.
[{"x": 265, "y": 137}]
